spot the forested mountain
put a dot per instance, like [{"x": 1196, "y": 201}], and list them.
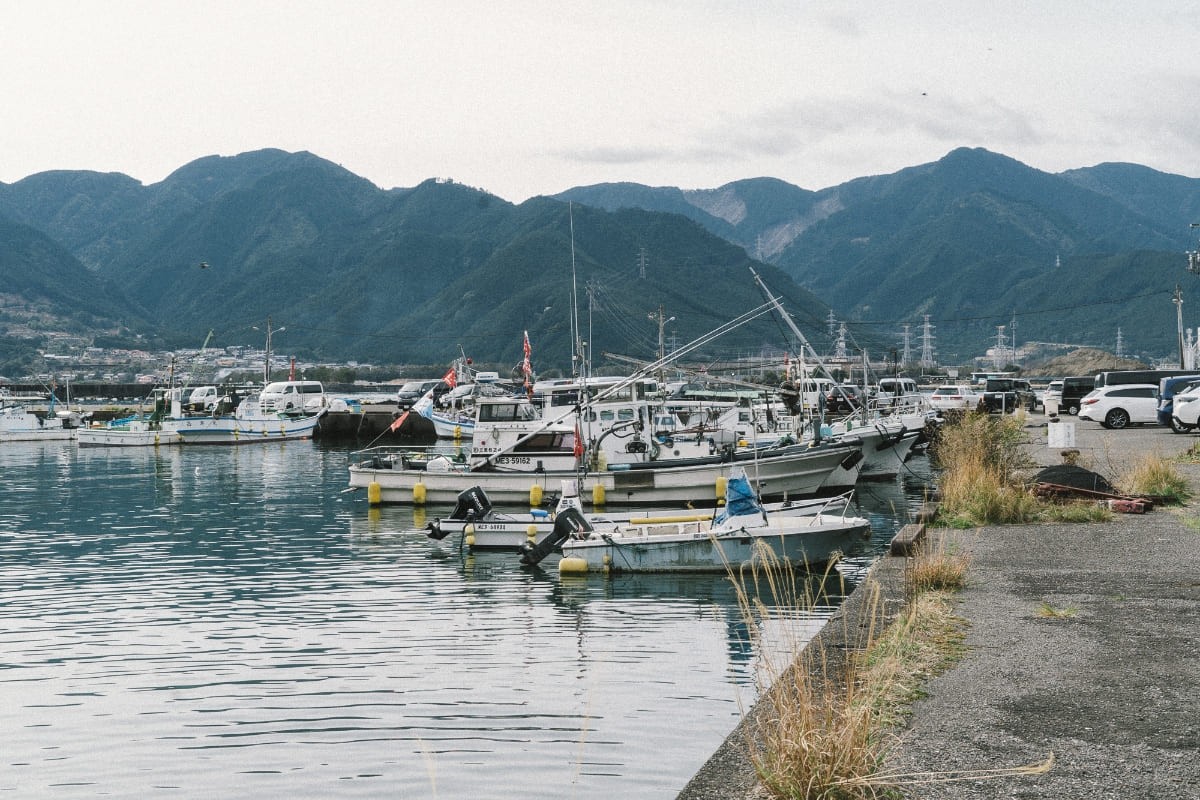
[
  {"x": 400, "y": 276},
  {"x": 974, "y": 240}
]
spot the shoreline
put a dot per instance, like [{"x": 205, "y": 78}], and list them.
[{"x": 1111, "y": 690}]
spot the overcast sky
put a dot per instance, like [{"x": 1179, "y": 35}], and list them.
[{"x": 528, "y": 98}]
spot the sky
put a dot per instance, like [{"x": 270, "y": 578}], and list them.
[{"x": 531, "y": 98}]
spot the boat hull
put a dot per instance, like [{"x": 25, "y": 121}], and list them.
[
  {"x": 513, "y": 530},
  {"x": 228, "y": 430},
  {"x": 106, "y": 437},
  {"x": 699, "y": 550},
  {"x": 796, "y": 472}
]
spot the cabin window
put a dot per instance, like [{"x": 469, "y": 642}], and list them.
[
  {"x": 546, "y": 442},
  {"x": 498, "y": 412}
]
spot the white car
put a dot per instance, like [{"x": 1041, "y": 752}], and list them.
[
  {"x": 1185, "y": 410},
  {"x": 1120, "y": 405},
  {"x": 955, "y": 396}
]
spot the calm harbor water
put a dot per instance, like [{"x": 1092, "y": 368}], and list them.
[{"x": 218, "y": 622}]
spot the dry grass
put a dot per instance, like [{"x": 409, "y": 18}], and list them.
[
  {"x": 1047, "y": 611},
  {"x": 824, "y": 724},
  {"x": 979, "y": 456},
  {"x": 936, "y": 567},
  {"x": 1153, "y": 475}
]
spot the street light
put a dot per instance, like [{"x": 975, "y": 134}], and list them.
[
  {"x": 267, "y": 362},
  {"x": 1194, "y": 255}
]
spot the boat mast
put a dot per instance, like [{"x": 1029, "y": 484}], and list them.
[{"x": 574, "y": 299}]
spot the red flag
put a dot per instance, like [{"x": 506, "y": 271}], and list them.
[
  {"x": 578, "y": 442},
  {"x": 398, "y": 421},
  {"x": 451, "y": 377}
]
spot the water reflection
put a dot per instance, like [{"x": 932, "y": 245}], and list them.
[{"x": 226, "y": 621}]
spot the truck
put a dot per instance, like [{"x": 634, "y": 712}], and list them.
[{"x": 1006, "y": 395}]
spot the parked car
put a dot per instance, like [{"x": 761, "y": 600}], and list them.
[
  {"x": 1121, "y": 405},
  {"x": 1073, "y": 390},
  {"x": 1007, "y": 394},
  {"x": 1168, "y": 389},
  {"x": 954, "y": 396},
  {"x": 1185, "y": 412},
  {"x": 413, "y": 391},
  {"x": 844, "y": 398},
  {"x": 1053, "y": 392}
]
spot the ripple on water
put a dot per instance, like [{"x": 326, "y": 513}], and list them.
[{"x": 223, "y": 621}]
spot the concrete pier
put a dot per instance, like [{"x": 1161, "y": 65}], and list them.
[{"x": 1109, "y": 688}]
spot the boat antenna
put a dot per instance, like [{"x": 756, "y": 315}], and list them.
[{"x": 574, "y": 298}]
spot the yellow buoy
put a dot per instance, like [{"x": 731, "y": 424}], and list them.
[
  {"x": 607, "y": 564},
  {"x": 597, "y": 494},
  {"x": 722, "y": 482},
  {"x": 531, "y": 532},
  {"x": 374, "y": 493},
  {"x": 457, "y": 432},
  {"x": 535, "y": 495},
  {"x": 419, "y": 494},
  {"x": 469, "y": 535},
  {"x": 572, "y": 566}
]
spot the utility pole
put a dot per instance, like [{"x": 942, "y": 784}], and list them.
[
  {"x": 1178, "y": 300},
  {"x": 662, "y": 341}
]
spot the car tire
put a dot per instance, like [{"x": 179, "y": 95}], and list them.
[
  {"x": 1072, "y": 410},
  {"x": 1117, "y": 418},
  {"x": 1179, "y": 427}
]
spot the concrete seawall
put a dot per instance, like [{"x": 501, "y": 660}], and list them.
[{"x": 1112, "y": 688}]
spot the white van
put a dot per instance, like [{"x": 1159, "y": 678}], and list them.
[{"x": 307, "y": 396}]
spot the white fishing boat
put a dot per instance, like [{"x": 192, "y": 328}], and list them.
[
  {"x": 741, "y": 535},
  {"x": 19, "y": 424},
  {"x": 475, "y": 524},
  {"x": 127, "y": 432},
  {"x": 237, "y": 421}
]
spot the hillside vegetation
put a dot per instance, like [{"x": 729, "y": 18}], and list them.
[{"x": 975, "y": 240}]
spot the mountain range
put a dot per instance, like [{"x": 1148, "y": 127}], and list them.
[{"x": 970, "y": 242}]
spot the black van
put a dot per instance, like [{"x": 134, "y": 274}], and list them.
[{"x": 1073, "y": 391}]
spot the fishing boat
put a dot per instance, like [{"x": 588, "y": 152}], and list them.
[
  {"x": 236, "y": 420},
  {"x": 482, "y": 526},
  {"x": 741, "y": 535},
  {"x": 19, "y": 424},
  {"x": 134, "y": 431}
]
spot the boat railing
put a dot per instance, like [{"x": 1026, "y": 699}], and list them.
[{"x": 402, "y": 456}]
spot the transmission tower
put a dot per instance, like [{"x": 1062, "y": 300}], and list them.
[
  {"x": 1120, "y": 344},
  {"x": 839, "y": 350},
  {"x": 928, "y": 358},
  {"x": 642, "y": 260}
]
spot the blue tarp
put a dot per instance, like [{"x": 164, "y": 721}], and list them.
[{"x": 740, "y": 498}]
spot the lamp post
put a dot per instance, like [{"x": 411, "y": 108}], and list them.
[
  {"x": 662, "y": 324},
  {"x": 267, "y": 362}
]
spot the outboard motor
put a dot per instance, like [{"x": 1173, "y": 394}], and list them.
[
  {"x": 569, "y": 522},
  {"x": 473, "y": 501},
  {"x": 472, "y": 505}
]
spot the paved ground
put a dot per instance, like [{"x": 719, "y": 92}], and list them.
[{"x": 1113, "y": 691}]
